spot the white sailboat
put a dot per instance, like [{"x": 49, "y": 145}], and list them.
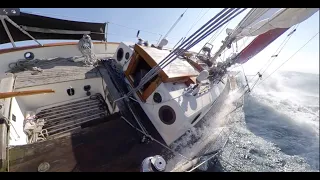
[{"x": 114, "y": 95}]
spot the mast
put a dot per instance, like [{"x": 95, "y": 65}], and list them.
[{"x": 180, "y": 17}]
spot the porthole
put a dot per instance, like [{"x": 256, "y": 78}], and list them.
[
  {"x": 157, "y": 97},
  {"x": 120, "y": 54},
  {"x": 127, "y": 56},
  {"x": 28, "y": 55},
  {"x": 167, "y": 115}
]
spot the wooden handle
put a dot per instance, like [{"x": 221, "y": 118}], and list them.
[{"x": 25, "y": 93}]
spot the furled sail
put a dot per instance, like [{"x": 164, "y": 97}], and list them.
[
  {"x": 276, "y": 18},
  {"x": 269, "y": 29},
  {"x": 265, "y": 23}
]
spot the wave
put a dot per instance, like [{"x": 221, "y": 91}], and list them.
[{"x": 276, "y": 130}]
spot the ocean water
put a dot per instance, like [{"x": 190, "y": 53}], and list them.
[{"x": 276, "y": 129}]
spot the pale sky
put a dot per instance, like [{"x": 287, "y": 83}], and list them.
[{"x": 155, "y": 21}]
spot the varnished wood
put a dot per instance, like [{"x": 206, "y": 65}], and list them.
[
  {"x": 191, "y": 80},
  {"x": 153, "y": 86},
  {"x": 138, "y": 93},
  {"x": 145, "y": 54},
  {"x": 132, "y": 64},
  {"x": 25, "y": 93},
  {"x": 149, "y": 60},
  {"x": 195, "y": 65},
  {"x": 8, "y": 50}
]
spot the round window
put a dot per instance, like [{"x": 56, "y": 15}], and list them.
[
  {"x": 127, "y": 56},
  {"x": 167, "y": 115},
  {"x": 120, "y": 54},
  {"x": 157, "y": 97},
  {"x": 28, "y": 55}
]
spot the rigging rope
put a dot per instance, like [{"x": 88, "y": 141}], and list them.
[
  {"x": 289, "y": 58},
  {"x": 205, "y": 35},
  {"x": 244, "y": 23},
  {"x": 153, "y": 139},
  {"x": 252, "y": 88},
  {"x": 175, "y": 24},
  {"x": 177, "y": 52},
  {"x": 220, "y": 150},
  {"x": 223, "y": 21},
  {"x": 273, "y": 57},
  {"x": 276, "y": 53},
  {"x": 213, "y": 38},
  {"x": 197, "y": 20},
  {"x": 166, "y": 59}
]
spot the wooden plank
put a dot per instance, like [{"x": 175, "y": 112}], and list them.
[
  {"x": 24, "y": 93},
  {"x": 152, "y": 87},
  {"x": 195, "y": 65},
  {"x": 138, "y": 93},
  {"x": 132, "y": 64}
]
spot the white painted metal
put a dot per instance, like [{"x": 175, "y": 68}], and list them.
[
  {"x": 20, "y": 105},
  {"x": 126, "y": 49},
  {"x": 64, "y": 51},
  {"x": 185, "y": 107},
  {"x": 36, "y": 101},
  {"x": 17, "y": 135}
]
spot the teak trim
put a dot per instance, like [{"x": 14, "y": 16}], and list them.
[
  {"x": 24, "y": 93},
  {"x": 139, "y": 54},
  {"x": 149, "y": 60},
  {"x": 135, "y": 58}
]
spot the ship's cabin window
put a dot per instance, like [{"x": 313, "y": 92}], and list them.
[{"x": 138, "y": 71}]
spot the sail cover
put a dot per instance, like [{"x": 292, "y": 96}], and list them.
[{"x": 41, "y": 27}]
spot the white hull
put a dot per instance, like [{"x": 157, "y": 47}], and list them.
[{"x": 188, "y": 110}]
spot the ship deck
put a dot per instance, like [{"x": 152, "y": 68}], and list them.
[
  {"x": 108, "y": 145},
  {"x": 54, "y": 71},
  {"x": 100, "y": 148}
]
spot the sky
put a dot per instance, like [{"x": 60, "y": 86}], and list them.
[{"x": 155, "y": 22}]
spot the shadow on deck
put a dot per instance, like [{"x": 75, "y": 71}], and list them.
[{"x": 110, "y": 146}]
